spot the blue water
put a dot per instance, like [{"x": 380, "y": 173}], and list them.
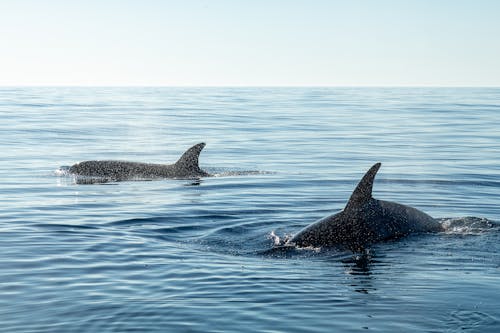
[{"x": 189, "y": 256}]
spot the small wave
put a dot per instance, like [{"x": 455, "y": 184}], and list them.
[
  {"x": 468, "y": 225},
  {"x": 464, "y": 320},
  {"x": 135, "y": 221},
  {"x": 485, "y": 183},
  {"x": 62, "y": 226},
  {"x": 231, "y": 171},
  {"x": 240, "y": 173}
]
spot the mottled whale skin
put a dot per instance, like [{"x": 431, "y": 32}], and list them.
[
  {"x": 365, "y": 221},
  {"x": 186, "y": 167}
]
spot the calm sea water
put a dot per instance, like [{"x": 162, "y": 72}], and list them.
[{"x": 187, "y": 256}]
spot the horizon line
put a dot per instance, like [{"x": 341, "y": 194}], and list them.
[{"x": 241, "y": 86}]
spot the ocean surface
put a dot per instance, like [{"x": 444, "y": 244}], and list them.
[{"x": 178, "y": 255}]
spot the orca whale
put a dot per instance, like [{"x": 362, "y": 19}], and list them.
[
  {"x": 111, "y": 170},
  {"x": 365, "y": 221}
]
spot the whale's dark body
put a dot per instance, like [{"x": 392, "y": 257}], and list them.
[
  {"x": 365, "y": 221},
  {"x": 186, "y": 167}
]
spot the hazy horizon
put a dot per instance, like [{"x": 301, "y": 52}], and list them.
[{"x": 224, "y": 43}]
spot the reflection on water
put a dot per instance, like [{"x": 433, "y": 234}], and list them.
[
  {"x": 358, "y": 266},
  {"x": 195, "y": 255}
]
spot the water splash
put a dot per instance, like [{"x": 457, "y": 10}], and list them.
[
  {"x": 468, "y": 225},
  {"x": 218, "y": 172},
  {"x": 281, "y": 244},
  {"x": 62, "y": 171},
  {"x": 275, "y": 238}
]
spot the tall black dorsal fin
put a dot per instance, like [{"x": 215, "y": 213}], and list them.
[
  {"x": 189, "y": 160},
  {"x": 363, "y": 192}
]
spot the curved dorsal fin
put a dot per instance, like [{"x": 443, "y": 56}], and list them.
[
  {"x": 363, "y": 192},
  {"x": 189, "y": 160}
]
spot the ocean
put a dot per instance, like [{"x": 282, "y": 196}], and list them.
[{"x": 191, "y": 255}]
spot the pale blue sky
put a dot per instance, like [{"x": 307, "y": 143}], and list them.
[{"x": 250, "y": 43}]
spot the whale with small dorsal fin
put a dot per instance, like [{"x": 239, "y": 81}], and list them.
[
  {"x": 365, "y": 221},
  {"x": 186, "y": 167}
]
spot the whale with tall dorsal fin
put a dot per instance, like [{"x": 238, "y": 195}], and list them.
[
  {"x": 365, "y": 221},
  {"x": 186, "y": 167}
]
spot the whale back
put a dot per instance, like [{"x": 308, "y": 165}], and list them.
[
  {"x": 365, "y": 221},
  {"x": 186, "y": 167}
]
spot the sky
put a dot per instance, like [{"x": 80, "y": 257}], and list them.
[{"x": 250, "y": 43}]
